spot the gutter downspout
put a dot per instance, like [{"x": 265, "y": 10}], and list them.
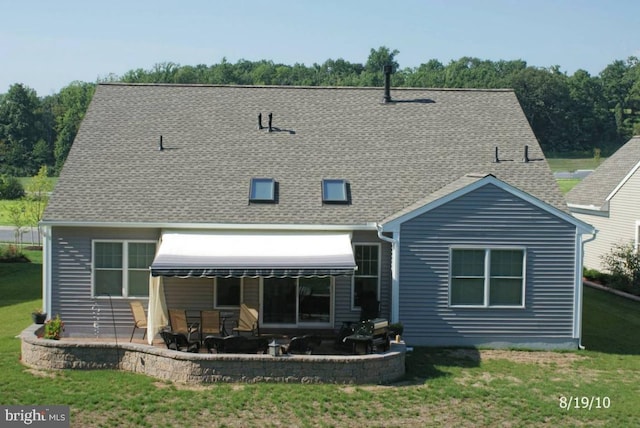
[
  {"x": 46, "y": 269},
  {"x": 580, "y": 290},
  {"x": 395, "y": 273}
]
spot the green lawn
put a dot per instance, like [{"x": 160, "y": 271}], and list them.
[
  {"x": 443, "y": 387},
  {"x": 564, "y": 164}
]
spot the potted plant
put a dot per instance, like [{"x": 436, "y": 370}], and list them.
[
  {"x": 53, "y": 328},
  {"x": 38, "y": 316}
]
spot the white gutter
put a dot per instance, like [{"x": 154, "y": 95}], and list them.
[
  {"x": 580, "y": 287},
  {"x": 213, "y": 226},
  {"x": 395, "y": 272}
]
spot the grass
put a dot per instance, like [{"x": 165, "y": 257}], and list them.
[
  {"x": 565, "y": 164},
  {"x": 567, "y": 184},
  {"x": 443, "y": 387}
]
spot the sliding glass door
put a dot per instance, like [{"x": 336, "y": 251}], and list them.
[{"x": 294, "y": 301}]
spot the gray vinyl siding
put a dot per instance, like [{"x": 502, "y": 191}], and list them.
[
  {"x": 486, "y": 217},
  {"x": 617, "y": 226},
  {"x": 343, "y": 311},
  {"x": 71, "y": 281},
  {"x": 84, "y": 315}
]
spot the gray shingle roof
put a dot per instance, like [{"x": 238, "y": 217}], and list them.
[
  {"x": 594, "y": 188},
  {"x": 391, "y": 154}
]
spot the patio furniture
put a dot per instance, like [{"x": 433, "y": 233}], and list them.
[
  {"x": 210, "y": 323},
  {"x": 236, "y": 344},
  {"x": 179, "y": 342},
  {"x": 247, "y": 321},
  {"x": 139, "y": 318},
  {"x": 303, "y": 344},
  {"x": 369, "y": 335},
  {"x": 179, "y": 324}
]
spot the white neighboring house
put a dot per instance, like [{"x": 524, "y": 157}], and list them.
[{"x": 609, "y": 199}]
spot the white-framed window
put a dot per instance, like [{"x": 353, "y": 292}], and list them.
[
  {"x": 366, "y": 279},
  {"x": 487, "y": 277},
  {"x": 121, "y": 268},
  {"x": 228, "y": 292}
]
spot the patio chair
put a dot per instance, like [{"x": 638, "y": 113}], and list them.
[
  {"x": 139, "y": 318},
  {"x": 303, "y": 344},
  {"x": 210, "y": 324},
  {"x": 247, "y": 321},
  {"x": 179, "y": 342},
  {"x": 179, "y": 324}
]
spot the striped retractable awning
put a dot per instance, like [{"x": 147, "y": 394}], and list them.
[{"x": 253, "y": 254}]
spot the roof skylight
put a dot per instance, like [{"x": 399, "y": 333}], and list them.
[
  {"x": 262, "y": 190},
  {"x": 335, "y": 191}
]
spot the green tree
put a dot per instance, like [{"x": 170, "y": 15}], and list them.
[
  {"x": 20, "y": 129},
  {"x": 36, "y": 198},
  {"x": 73, "y": 101}
]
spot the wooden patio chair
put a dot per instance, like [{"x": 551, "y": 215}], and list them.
[
  {"x": 210, "y": 324},
  {"x": 247, "y": 321},
  {"x": 139, "y": 318},
  {"x": 179, "y": 324}
]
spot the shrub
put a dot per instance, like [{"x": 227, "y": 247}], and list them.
[
  {"x": 53, "y": 328},
  {"x": 623, "y": 263},
  {"x": 596, "y": 276},
  {"x": 10, "y": 188}
]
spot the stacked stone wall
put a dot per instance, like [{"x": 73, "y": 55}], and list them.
[{"x": 207, "y": 368}]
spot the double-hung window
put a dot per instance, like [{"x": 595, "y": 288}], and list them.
[
  {"x": 228, "y": 292},
  {"x": 487, "y": 277},
  {"x": 121, "y": 268},
  {"x": 366, "y": 284}
]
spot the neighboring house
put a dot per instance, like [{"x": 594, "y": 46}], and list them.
[
  {"x": 609, "y": 199},
  {"x": 437, "y": 203}
]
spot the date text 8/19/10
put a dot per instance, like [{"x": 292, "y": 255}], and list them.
[{"x": 584, "y": 402}]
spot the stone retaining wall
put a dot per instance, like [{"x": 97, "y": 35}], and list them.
[{"x": 206, "y": 368}]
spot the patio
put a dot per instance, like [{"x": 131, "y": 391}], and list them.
[{"x": 157, "y": 361}]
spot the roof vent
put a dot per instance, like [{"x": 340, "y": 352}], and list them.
[
  {"x": 270, "y": 121},
  {"x": 260, "y": 121},
  {"x": 160, "y": 146},
  {"x": 388, "y": 69},
  {"x": 526, "y": 155}
]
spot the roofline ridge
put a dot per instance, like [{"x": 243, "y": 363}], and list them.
[{"x": 367, "y": 88}]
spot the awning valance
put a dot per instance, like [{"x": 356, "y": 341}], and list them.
[{"x": 253, "y": 254}]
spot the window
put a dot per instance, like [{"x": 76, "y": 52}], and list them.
[
  {"x": 228, "y": 292},
  {"x": 121, "y": 268},
  {"x": 365, "y": 279},
  {"x": 335, "y": 191},
  {"x": 262, "y": 190},
  {"x": 487, "y": 277}
]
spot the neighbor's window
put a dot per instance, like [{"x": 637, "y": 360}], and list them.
[
  {"x": 228, "y": 291},
  {"x": 487, "y": 277},
  {"x": 121, "y": 268},
  {"x": 334, "y": 191},
  {"x": 366, "y": 277}
]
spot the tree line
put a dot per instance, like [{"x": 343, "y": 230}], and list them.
[{"x": 570, "y": 114}]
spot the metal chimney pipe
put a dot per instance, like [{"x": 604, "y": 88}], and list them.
[{"x": 388, "y": 69}]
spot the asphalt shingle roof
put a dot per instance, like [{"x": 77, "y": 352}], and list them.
[
  {"x": 594, "y": 188},
  {"x": 392, "y": 155}
]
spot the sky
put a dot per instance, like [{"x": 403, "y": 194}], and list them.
[{"x": 46, "y": 44}]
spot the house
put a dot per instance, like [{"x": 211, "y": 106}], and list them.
[
  {"x": 609, "y": 199},
  {"x": 302, "y": 202}
]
